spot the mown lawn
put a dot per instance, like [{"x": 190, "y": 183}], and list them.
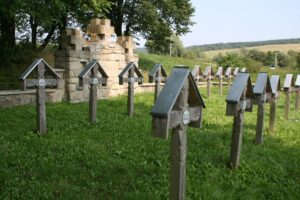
[{"x": 117, "y": 158}]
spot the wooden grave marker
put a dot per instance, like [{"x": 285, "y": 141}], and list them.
[
  {"x": 219, "y": 74},
  {"x": 297, "y": 90},
  {"x": 43, "y": 70},
  {"x": 239, "y": 99},
  {"x": 235, "y": 71},
  {"x": 228, "y": 75},
  {"x": 127, "y": 75},
  {"x": 262, "y": 94},
  {"x": 288, "y": 88},
  {"x": 197, "y": 74},
  {"x": 179, "y": 105},
  {"x": 208, "y": 75},
  {"x": 89, "y": 75},
  {"x": 275, "y": 86},
  {"x": 157, "y": 75},
  {"x": 244, "y": 69}
]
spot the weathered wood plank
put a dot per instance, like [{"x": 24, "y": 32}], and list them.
[
  {"x": 287, "y": 104},
  {"x": 93, "y": 95},
  {"x": 130, "y": 100},
  {"x": 41, "y": 100},
  {"x": 236, "y": 140},
  {"x": 157, "y": 84},
  {"x": 260, "y": 123},
  {"x": 179, "y": 150},
  {"x": 272, "y": 115}
]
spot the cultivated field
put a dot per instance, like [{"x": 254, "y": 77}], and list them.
[{"x": 278, "y": 47}]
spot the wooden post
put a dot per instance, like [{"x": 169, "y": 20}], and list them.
[
  {"x": 221, "y": 85},
  {"x": 130, "y": 101},
  {"x": 41, "y": 99},
  {"x": 179, "y": 150},
  {"x": 208, "y": 85},
  {"x": 93, "y": 95},
  {"x": 157, "y": 84},
  {"x": 287, "y": 105},
  {"x": 297, "y": 103},
  {"x": 260, "y": 123},
  {"x": 236, "y": 141},
  {"x": 272, "y": 115}
]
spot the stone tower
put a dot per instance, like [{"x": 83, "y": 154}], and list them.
[{"x": 111, "y": 52}]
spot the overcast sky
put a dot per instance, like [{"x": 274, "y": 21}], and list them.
[{"x": 243, "y": 20}]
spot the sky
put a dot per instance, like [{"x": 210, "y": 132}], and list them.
[{"x": 243, "y": 20}]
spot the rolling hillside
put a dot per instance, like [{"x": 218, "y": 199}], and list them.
[{"x": 276, "y": 47}]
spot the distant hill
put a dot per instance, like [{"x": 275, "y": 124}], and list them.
[{"x": 234, "y": 45}]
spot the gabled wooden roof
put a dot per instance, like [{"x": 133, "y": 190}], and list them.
[
  {"x": 220, "y": 71},
  {"x": 89, "y": 67},
  {"x": 197, "y": 71},
  {"x": 128, "y": 67},
  {"x": 228, "y": 71},
  {"x": 208, "y": 70},
  {"x": 235, "y": 71},
  {"x": 154, "y": 70},
  {"x": 169, "y": 94},
  {"x": 288, "y": 81},
  {"x": 241, "y": 81},
  {"x": 275, "y": 83},
  {"x": 262, "y": 83},
  {"x": 34, "y": 65},
  {"x": 297, "y": 83}
]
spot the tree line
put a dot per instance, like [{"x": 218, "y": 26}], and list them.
[
  {"x": 254, "y": 59},
  {"x": 35, "y": 24},
  {"x": 234, "y": 45}
]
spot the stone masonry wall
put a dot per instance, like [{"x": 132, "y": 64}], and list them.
[{"x": 112, "y": 53}]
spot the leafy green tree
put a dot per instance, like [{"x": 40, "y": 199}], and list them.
[
  {"x": 172, "y": 45},
  {"x": 155, "y": 20}
]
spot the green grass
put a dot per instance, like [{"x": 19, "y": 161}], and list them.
[
  {"x": 147, "y": 61},
  {"x": 117, "y": 158}
]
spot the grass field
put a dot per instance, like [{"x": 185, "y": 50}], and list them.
[
  {"x": 280, "y": 47},
  {"x": 117, "y": 158},
  {"x": 147, "y": 61}
]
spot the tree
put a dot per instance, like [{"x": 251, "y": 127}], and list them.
[
  {"x": 171, "y": 46},
  {"x": 155, "y": 20}
]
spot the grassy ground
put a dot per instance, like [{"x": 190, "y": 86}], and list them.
[
  {"x": 147, "y": 61},
  {"x": 278, "y": 47},
  {"x": 117, "y": 158}
]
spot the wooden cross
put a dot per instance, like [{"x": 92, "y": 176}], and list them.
[
  {"x": 262, "y": 93},
  {"x": 93, "y": 80},
  {"x": 239, "y": 100},
  {"x": 179, "y": 105},
  {"x": 235, "y": 71},
  {"x": 197, "y": 74},
  {"x": 130, "y": 70},
  {"x": 275, "y": 86},
  {"x": 157, "y": 75},
  {"x": 219, "y": 75},
  {"x": 244, "y": 69},
  {"x": 208, "y": 74},
  {"x": 41, "y": 82},
  {"x": 297, "y": 90},
  {"x": 228, "y": 76},
  {"x": 288, "y": 87}
]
